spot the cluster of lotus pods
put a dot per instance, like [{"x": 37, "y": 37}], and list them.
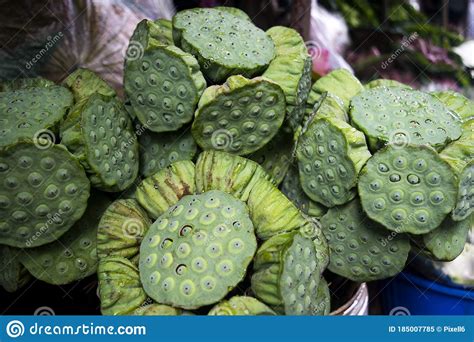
[{"x": 227, "y": 180}]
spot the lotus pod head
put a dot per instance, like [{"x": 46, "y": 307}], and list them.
[
  {"x": 121, "y": 229},
  {"x": 446, "y": 242},
  {"x": 197, "y": 250},
  {"x": 241, "y": 306},
  {"x": 25, "y": 83},
  {"x": 225, "y": 44},
  {"x": 240, "y": 116},
  {"x": 43, "y": 193},
  {"x": 74, "y": 255},
  {"x": 382, "y": 82},
  {"x": 235, "y": 11},
  {"x": 120, "y": 290},
  {"x": 291, "y": 70},
  {"x": 456, "y": 102},
  {"x": 327, "y": 106},
  {"x": 339, "y": 82},
  {"x": 159, "y": 150},
  {"x": 33, "y": 113},
  {"x": 460, "y": 152},
  {"x": 330, "y": 155},
  {"x": 409, "y": 189},
  {"x": 163, "y": 87},
  {"x": 392, "y": 115},
  {"x": 99, "y": 132},
  {"x": 361, "y": 249},
  {"x": 157, "y": 310},
  {"x": 465, "y": 200},
  {"x": 83, "y": 83},
  {"x": 14, "y": 275}
]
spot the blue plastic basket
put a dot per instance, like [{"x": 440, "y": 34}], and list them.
[{"x": 408, "y": 294}]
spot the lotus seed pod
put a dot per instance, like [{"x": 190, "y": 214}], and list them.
[
  {"x": 225, "y": 44},
  {"x": 400, "y": 116},
  {"x": 292, "y": 189},
  {"x": 323, "y": 298},
  {"x": 291, "y": 70},
  {"x": 460, "y": 152},
  {"x": 241, "y": 306},
  {"x": 33, "y": 114},
  {"x": 457, "y": 103},
  {"x": 42, "y": 194},
  {"x": 381, "y": 82},
  {"x": 229, "y": 173},
  {"x": 84, "y": 83},
  {"x": 287, "y": 274},
  {"x": 121, "y": 229},
  {"x": 159, "y": 150},
  {"x": 465, "y": 200},
  {"x": 157, "y": 310},
  {"x": 361, "y": 249},
  {"x": 99, "y": 132},
  {"x": 339, "y": 82},
  {"x": 330, "y": 155},
  {"x": 276, "y": 156},
  {"x": 235, "y": 11},
  {"x": 148, "y": 33},
  {"x": 26, "y": 83},
  {"x": 271, "y": 212},
  {"x": 166, "y": 187},
  {"x": 446, "y": 242},
  {"x": 240, "y": 116},
  {"x": 409, "y": 189},
  {"x": 74, "y": 255},
  {"x": 13, "y": 275},
  {"x": 164, "y": 86},
  {"x": 327, "y": 106},
  {"x": 198, "y": 250},
  {"x": 120, "y": 290}
]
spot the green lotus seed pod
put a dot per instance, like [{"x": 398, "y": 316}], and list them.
[
  {"x": 32, "y": 113},
  {"x": 120, "y": 290},
  {"x": 361, "y": 249},
  {"x": 286, "y": 274},
  {"x": 457, "y": 103},
  {"x": 292, "y": 189},
  {"x": 465, "y": 200},
  {"x": 233, "y": 10},
  {"x": 42, "y": 194},
  {"x": 446, "y": 242},
  {"x": 460, "y": 152},
  {"x": 159, "y": 150},
  {"x": 26, "y": 83},
  {"x": 330, "y": 155},
  {"x": 276, "y": 156},
  {"x": 291, "y": 70},
  {"x": 381, "y": 82},
  {"x": 327, "y": 106},
  {"x": 99, "y": 132},
  {"x": 198, "y": 250},
  {"x": 229, "y": 173},
  {"x": 84, "y": 83},
  {"x": 407, "y": 190},
  {"x": 400, "y": 115},
  {"x": 147, "y": 33},
  {"x": 164, "y": 86},
  {"x": 224, "y": 43},
  {"x": 240, "y": 116},
  {"x": 166, "y": 187},
  {"x": 157, "y": 310},
  {"x": 74, "y": 255},
  {"x": 13, "y": 275},
  {"x": 241, "y": 306},
  {"x": 323, "y": 298},
  {"x": 121, "y": 229},
  {"x": 271, "y": 212},
  {"x": 339, "y": 82}
]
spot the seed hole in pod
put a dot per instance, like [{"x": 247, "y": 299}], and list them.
[
  {"x": 166, "y": 243},
  {"x": 237, "y": 225},
  {"x": 383, "y": 167},
  {"x": 394, "y": 177},
  {"x": 185, "y": 230},
  {"x": 181, "y": 269}
]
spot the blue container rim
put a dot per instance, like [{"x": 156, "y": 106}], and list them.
[{"x": 461, "y": 293}]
